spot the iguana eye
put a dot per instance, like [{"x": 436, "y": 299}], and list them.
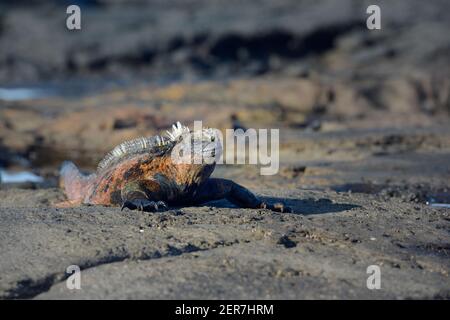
[{"x": 213, "y": 139}]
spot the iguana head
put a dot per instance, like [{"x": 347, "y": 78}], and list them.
[{"x": 194, "y": 153}]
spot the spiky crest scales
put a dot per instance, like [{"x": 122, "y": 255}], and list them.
[{"x": 141, "y": 145}]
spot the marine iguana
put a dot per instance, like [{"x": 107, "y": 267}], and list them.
[{"x": 142, "y": 174}]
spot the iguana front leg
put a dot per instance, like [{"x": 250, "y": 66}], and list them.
[
  {"x": 216, "y": 189},
  {"x": 142, "y": 195}
]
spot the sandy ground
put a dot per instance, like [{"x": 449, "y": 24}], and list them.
[
  {"x": 364, "y": 149},
  {"x": 320, "y": 251}
]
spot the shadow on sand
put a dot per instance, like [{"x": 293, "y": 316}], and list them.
[{"x": 299, "y": 206}]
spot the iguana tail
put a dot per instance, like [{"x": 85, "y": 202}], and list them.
[{"x": 74, "y": 183}]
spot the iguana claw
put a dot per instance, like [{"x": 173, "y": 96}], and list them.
[
  {"x": 144, "y": 205},
  {"x": 277, "y": 207}
]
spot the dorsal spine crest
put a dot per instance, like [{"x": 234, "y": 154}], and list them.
[{"x": 142, "y": 144}]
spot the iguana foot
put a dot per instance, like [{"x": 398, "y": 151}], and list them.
[
  {"x": 215, "y": 189},
  {"x": 144, "y": 205},
  {"x": 277, "y": 207}
]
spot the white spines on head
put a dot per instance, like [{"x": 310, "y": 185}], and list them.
[{"x": 177, "y": 131}]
